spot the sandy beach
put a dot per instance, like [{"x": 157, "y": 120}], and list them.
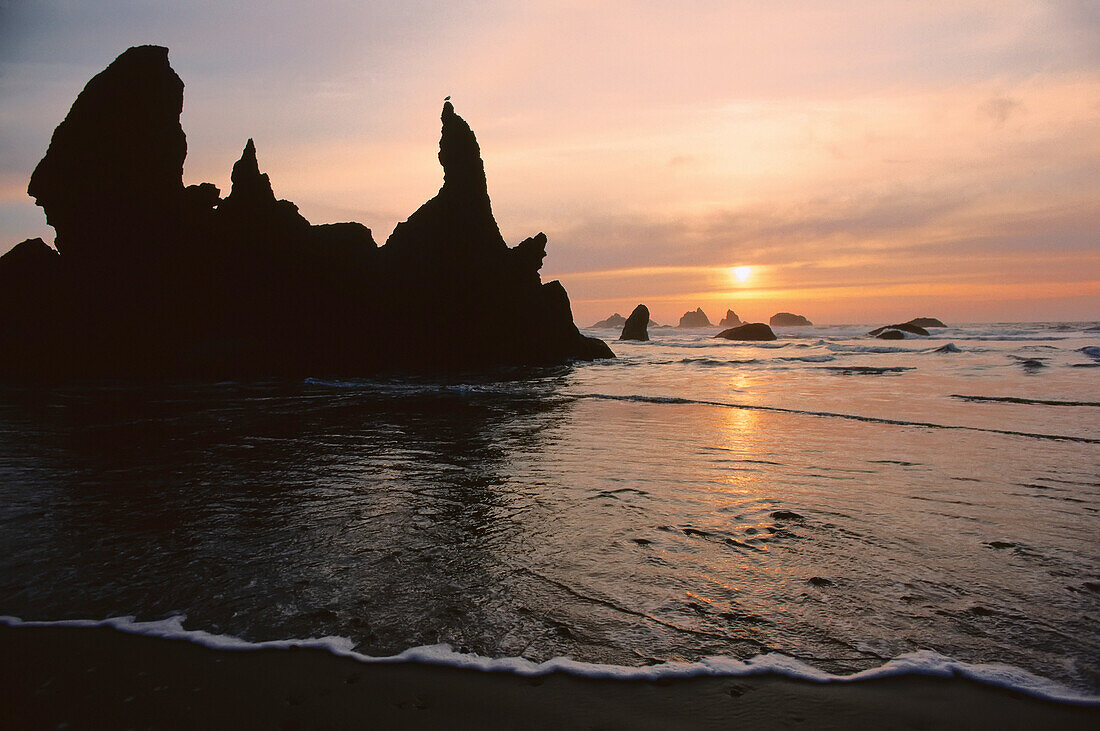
[{"x": 60, "y": 677}]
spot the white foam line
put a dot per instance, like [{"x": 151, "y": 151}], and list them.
[{"x": 923, "y": 663}]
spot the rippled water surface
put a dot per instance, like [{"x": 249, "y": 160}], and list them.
[{"x": 829, "y": 496}]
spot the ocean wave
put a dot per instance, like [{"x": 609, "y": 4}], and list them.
[
  {"x": 827, "y": 414},
  {"x": 1007, "y": 338},
  {"x": 404, "y": 388},
  {"x": 854, "y": 370},
  {"x": 810, "y": 358},
  {"x": 722, "y": 342},
  {"x": 1020, "y": 400},
  {"x": 712, "y": 361},
  {"x": 1029, "y": 364},
  {"x": 843, "y": 348},
  {"x": 414, "y": 388},
  {"x": 922, "y": 663},
  {"x": 824, "y": 358}
]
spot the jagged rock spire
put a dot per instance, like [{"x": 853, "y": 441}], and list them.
[
  {"x": 252, "y": 200},
  {"x": 730, "y": 320},
  {"x": 460, "y": 156},
  {"x": 249, "y": 184},
  {"x": 459, "y": 220}
]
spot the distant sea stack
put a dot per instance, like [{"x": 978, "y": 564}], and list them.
[
  {"x": 695, "y": 319},
  {"x": 615, "y": 321},
  {"x": 787, "y": 319},
  {"x": 749, "y": 331},
  {"x": 153, "y": 279},
  {"x": 730, "y": 320},
  {"x": 926, "y": 322},
  {"x": 636, "y": 324}
]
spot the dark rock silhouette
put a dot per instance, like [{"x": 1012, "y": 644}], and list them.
[
  {"x": 695, "y": 319},
  {"x": 926, "y": 322},
  {"x": 730, "y": 320},
  {"x": 154, "y": 279},
  {"x": 748, "y": 331},
  {"x": 787, "y": 319},
  {"x": 635, "y": 326},
  {"x": 615, "y": 321},
  {"x": 27, "y": 258},
  {"x": 891, "y": 335},
  {"x": 904, "y": 327},
  {"x": 111, "y": 182},
  {"x": 32, "y": 298}
]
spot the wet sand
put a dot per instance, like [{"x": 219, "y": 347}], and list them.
[{"x": 100, "y": 677}]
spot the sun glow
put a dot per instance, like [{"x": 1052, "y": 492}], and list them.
[{"x": 740, "y": 274}]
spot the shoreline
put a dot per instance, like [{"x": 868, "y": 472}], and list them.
[{"x": 104, "y": 677}]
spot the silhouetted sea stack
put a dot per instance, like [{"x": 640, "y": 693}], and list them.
[
  {"x": 154, "y": 279},
  {"x": 636, "y": 324},
  {"x": 749, "y": 331},
  {"x": 787, "y": 319},
  {"x": 891, "y": 335},
  {"x": 730, "y": 320},
  {"x": 926, "y": 322},
  {"x": 695, "y": 319},
  {"x": 615, "y": 321}
]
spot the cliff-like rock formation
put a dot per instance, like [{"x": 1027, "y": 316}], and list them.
[
  {"x": 695, "y": 319},
  {"x": 154, "y": 279},
  {"x": 636, "y": 326},
  {"x": 730, "y": 320},
  {"x": 615, "y": 321},
  {"x": 111, "y": 182}
]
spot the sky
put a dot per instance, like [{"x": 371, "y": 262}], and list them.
[{"x": 865, "y": 161}]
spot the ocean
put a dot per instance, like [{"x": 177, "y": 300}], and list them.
[{"x": 825, "y": 504}]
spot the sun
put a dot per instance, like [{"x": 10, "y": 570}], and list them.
[{"x": 740, "y": 274}]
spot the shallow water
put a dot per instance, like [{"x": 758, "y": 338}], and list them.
[{"x": 836, "y": 498}]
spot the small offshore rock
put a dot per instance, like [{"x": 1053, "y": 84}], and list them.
[
  {"x": 750, "y": 331},
  {"x": 788, "y": 319},
  {"x": 926, "y": 322}
]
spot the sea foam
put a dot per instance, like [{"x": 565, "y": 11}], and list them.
[{"x": 922, "y": 663}]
